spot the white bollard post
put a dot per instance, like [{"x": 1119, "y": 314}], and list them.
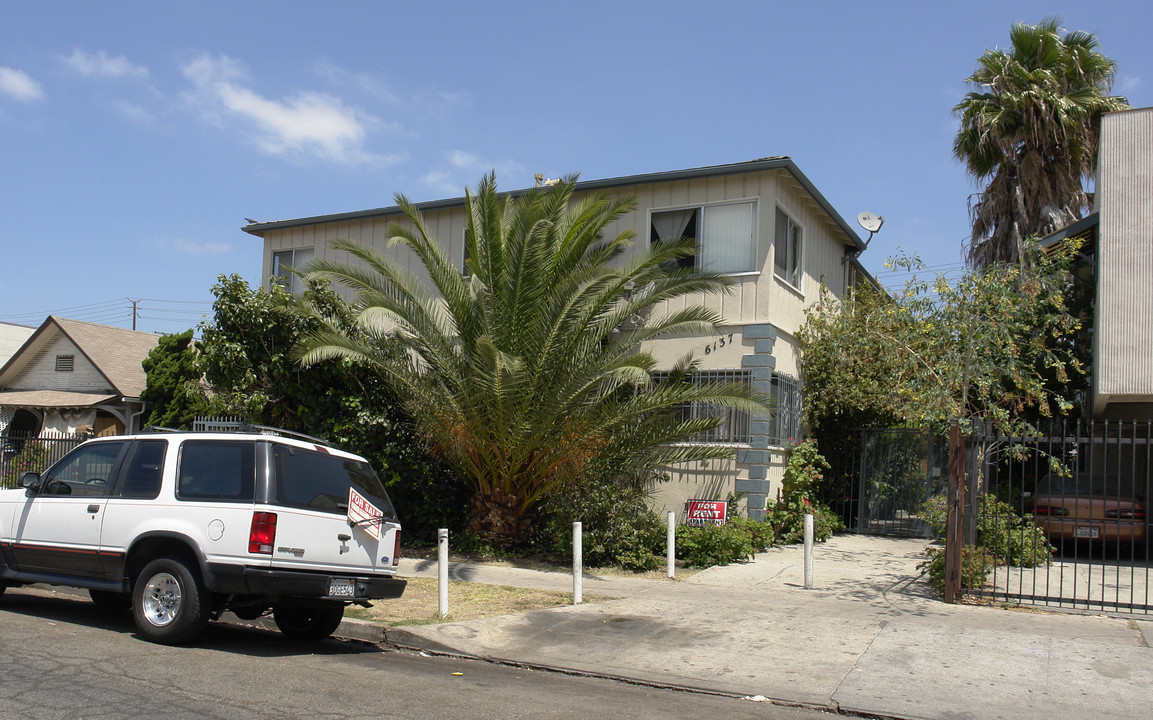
[
  {"x": 671, "y": 546},
  {"x": 577, "y": 563},
  {"x": 442, "y": 571},
  {"x": 808, "y": 551}
]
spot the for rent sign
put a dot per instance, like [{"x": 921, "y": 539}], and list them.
[{"x": 707, "y": 512}]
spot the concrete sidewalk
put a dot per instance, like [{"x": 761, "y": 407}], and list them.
[{"x": 869, "y": 638}]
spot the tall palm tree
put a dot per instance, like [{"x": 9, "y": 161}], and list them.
[
  {"x": 518, "y": 373},
  {"x": 1031, "y": 123}
]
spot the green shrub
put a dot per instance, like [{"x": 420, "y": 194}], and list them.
[
  {"x": 618, "y": 527},
  {"x": 975, "y": 566},
  {"x": 1010, "y": 538},
  {"x": 708, "y": 545},
  {"x": 1003, "y": 538},
  {"x": 802, "y": 475},
  {"x": 31, "y": 458}
]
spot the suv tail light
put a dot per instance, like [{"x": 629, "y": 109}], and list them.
[
  {"x": 262, "y": 534},
  {"x": 396, "y": 548}
]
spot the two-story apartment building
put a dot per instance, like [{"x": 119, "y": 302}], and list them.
[{"x": 762, "y": 222}]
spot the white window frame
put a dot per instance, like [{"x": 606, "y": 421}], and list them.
[
  {"x": 287, "y": 279},
  {"x": 702, "y": 209},
  {"x": 798, "y": 261}
]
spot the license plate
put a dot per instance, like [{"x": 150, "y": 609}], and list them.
[
  {"x": 341, "y": 588},
  {"x": 1086, "y": 532}
]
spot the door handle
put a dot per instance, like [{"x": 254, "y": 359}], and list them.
[{"x": 93, "y": 508}]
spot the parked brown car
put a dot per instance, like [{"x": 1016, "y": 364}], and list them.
[{"x": 1094, "y": 508}]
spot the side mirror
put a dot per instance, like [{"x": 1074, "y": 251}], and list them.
[{"x": 30, "y": 481}]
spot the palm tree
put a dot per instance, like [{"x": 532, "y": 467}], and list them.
[
  {"x": 526, "y": 373},
  {"x": 1031, "y": 123}
]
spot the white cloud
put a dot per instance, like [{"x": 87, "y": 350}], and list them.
[
  {"x": 101, "y": 65},
  {"x": 465, "y": 169},
  {"x": 19, "y": 86},
  {"x": 308, "y": 123}
]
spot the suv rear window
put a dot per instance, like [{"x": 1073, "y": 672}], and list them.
[
  {"x": 216, "y": 470},
  {"x": 319, "y": 481}
]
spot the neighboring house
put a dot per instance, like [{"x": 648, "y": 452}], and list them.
[
  {"x": 11, "y": 338},
  {"x": 1119, "y": 243},
  {"x": 763, "y": 222},
  {"x": 73, "y": 377}
]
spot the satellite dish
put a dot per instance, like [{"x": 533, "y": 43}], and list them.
[{"x": 871, "y": 222}]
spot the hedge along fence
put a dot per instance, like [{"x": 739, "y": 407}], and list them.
[{"x": 32, "y": 453}]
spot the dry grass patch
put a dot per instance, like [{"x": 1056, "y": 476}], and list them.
[{"x": 466, "y": 601}]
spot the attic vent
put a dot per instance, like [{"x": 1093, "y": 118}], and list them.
[{"x": 64, "y": 363}]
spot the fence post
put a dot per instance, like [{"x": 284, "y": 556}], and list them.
[
  {"x": 442, "y": 571},
  {"x": 955, "y": 520},
  {"x": 671, "y": 546}
]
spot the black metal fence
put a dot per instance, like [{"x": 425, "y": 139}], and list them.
[
  {"x": 899, "y": 470},
  {"x": 31, "y": 453},
  {"x": 1060, "y": 518}
]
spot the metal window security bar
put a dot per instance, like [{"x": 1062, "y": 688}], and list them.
[
  {"x": 1062, "y": 516},
  {"x": 785, "y": 421},
  {"x": 734, "y": 427}
]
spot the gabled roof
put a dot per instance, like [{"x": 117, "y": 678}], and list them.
[
  {"x": 769, "y": 163},
  {"x": 116, "y": 353}
]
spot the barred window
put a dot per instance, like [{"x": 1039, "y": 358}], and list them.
[
  {"x": 734, "y": 427},
  {"x": 785, "y": 422}
]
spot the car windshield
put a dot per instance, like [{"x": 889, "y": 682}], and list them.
[{"x": 1085, "y": 484}]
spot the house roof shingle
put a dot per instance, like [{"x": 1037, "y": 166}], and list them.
[{"x": 115, "y": 352}]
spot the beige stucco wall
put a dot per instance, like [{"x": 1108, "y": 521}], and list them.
[{"x": 758, "y": 298}]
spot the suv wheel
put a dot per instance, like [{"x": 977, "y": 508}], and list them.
[
  {"x": 308, "y": 623},
  {"x": 169, "y": 603}
]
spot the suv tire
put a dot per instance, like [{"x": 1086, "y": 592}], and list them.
[
  {"x": 308, "y": 623},
  {"x": 169, "y": 603}
]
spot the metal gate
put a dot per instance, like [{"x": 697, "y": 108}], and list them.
[
  {"x": 1060, "y": 518},
  {"x": 900, "y": 469}
]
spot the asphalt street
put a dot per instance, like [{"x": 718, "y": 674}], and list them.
[{"x": 63, "y": 658}]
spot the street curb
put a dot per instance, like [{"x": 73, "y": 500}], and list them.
[{"x": 401, "y": 639}]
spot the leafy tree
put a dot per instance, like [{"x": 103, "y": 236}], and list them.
[
  {"x": 1030, "y": 127},
  {"x": 173, "y": 390},
  {"x": 243, "y": 366},
  {"x": 994, "y": 345},
  {"x": 518, "y": 374}
]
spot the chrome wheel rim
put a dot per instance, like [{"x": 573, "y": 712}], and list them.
[{"x": 161, "y": 601}]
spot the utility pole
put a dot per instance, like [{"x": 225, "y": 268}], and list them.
[{"x": 134, "y": 302}]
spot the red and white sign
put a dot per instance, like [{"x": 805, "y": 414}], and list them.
[
  {"x": 707, "y": 512},
  {"x": 363, "y": 514}
]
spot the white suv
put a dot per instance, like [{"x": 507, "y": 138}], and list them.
[{"x": 184, "y": 526}]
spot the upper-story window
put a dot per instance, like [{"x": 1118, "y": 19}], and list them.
[
  {"x": 788, "y": 247},
  {"x": 726, "y": 234},
  {"x": 284, "y": 261}
]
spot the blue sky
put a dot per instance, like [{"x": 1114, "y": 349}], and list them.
[{"x": 136, "y": 137}]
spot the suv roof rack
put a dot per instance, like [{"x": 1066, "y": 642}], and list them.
[
  {"x": 267, "y": 430},
  {"x": 161, "y": 429}
]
